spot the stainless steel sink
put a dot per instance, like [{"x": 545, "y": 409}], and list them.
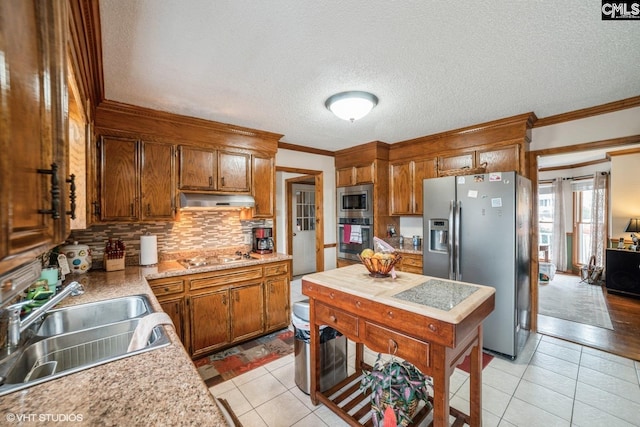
[
  {"x": 67, "y": 353},
  {"x": 85, "y": 316},
  {"x": 75, "y": 338}
]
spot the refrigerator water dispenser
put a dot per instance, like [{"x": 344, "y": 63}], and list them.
[{"x": 438, "y": 235}]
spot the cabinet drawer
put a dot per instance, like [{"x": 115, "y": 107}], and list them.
[
  {"x": 412, "y": 261},
  {"x": 225, "y": 277},
  {"x": 276, "y": 269},
  {"x": 166, "y": 287},
  {"x": 384, "y": 340},
  {"x": 338, "y": 319}
]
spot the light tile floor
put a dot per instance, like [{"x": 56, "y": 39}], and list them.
[{"x": 552, "y": 383}]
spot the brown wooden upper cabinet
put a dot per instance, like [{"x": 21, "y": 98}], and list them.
[
  {"x": 263, "y": 186},
  {"x": 214, "y": 170},
  {"x": 482, "y": 160},
  {"x": 134, "y": 183},
  {"x": 355, "y": 175},
  {"x": 33, "y": 135},
  {"x": 405, "y": 184}
]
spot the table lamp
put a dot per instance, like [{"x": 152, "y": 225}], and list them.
[{"x": 633, "y": 227}]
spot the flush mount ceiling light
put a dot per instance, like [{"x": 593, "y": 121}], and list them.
[{"x": 352, "y": 105}]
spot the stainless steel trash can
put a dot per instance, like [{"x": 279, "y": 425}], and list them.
[{"x": 333, "y": 351}]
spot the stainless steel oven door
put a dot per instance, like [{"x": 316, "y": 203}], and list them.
[{"x": 350, "y": 250}]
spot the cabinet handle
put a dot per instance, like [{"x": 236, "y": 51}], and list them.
[
  {"x": 131, "y": 209},
  {"x": 224, "y": 299},
  {"x": 210, "y": 181},
  {"x": 333, "y": 318},
  {"x": 55, "y": 192},
  {"x": 96, "y": 208},
  {"x": 237, "y": 296},
  {"x": 149, "y": 209},
  {"x": 72, "y": 195},
  {"x": 222, "y": 181},
  {"x": 392, "y": 346}
]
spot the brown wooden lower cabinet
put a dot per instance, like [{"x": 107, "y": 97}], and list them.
[
  {"x": 218, "y": 309},
  {"x": 247, "y": 311},
  {"x": 411, "y": 263},
  {"x": 175, "y": 308}
]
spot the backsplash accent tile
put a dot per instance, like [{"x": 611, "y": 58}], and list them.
[{"x": 195, "y": 230}]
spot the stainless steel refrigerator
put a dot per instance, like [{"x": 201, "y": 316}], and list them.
[{"x": 476, "y": 230}]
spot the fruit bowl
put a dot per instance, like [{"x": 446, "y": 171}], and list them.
[{"x": 380, "y": 264}]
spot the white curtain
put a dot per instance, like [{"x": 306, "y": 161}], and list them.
[
  {"x": 559, "y": 242},
  {"x": 599, "y": 217}
]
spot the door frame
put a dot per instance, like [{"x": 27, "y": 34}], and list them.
[{"x": 307, "y": 175}]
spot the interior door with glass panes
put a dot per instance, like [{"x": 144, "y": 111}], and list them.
[{"x": 304, "y": 228}]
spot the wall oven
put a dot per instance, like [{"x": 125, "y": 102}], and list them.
[
  {"x": 354, "y": 235},
  {"x": 355, "y": 201}
]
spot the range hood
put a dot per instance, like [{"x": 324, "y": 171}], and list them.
[{"x": 203, "y": 201}]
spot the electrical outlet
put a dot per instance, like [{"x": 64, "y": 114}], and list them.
[{"x": 247, "y": 239}]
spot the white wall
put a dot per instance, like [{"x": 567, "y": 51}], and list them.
[
  {"x": 625, "y": 186},
  {"x": 597, "y": 128},
  {"x": 316, "y": 162}
]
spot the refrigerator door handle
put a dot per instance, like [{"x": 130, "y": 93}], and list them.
[
  {"x": 457, "y": 239},
  {"x": 450, "y": 241}
]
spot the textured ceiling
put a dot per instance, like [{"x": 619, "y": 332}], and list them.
[{"x": 434, "y": 65}]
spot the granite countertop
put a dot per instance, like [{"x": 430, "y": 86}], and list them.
[
  {"x": 160, "y": 387},
  {"x": 446, "y": 300}
]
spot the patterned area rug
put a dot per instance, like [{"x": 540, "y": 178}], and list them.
[
  {"x": 466, "y": 363},
  {"x": 565, "y": 297},
  {"x": 237, "y": 360}
]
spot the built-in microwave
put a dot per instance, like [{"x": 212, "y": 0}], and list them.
[{"x": 355, "y": 201}]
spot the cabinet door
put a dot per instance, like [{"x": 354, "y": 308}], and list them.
[
  {"x": 400, "y": 188},
  {"x": 422, "y": 169},
  {"x": 233, "y": 171},
  {"x": 263, "y": 186},
  {"x": 456, "y": 162},
  {"x": 32, "y": 115},
  {"x": 197, "y": 169},
  {"x": 119, "y": 179},
  {"x": 501, "y": 160},
  {"x": 365, "y": 174},
  {"x": 277, "y": 302},
  {"x": 246, "y": 311},
  {"x": 209, "y": 318},
  {"x": 344, "y": 177},
  {"x": 158, "y": 181},
  {"x": 175, "y": 308}
]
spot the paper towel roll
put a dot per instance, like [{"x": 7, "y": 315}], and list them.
[{"x": 148, "y": 249}]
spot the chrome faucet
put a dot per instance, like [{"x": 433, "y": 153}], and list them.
[{"x": 16, "y": 326}]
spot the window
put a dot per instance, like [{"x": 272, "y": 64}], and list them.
[
  {"x": 545, "y": 217},
  {"x": 582, "y": 198}
]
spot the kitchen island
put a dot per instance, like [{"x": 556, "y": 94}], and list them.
[
  {"x": 429, "y": 322},
  {"x": 159, "y": 387}
]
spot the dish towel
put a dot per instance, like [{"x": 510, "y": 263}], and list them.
[
  {"x": 346, "y": 233},
  {"x": 145, "y": 326},
  {"x": 356, "y": 234}
]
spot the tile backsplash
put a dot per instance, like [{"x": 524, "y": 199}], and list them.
[{"x": 193, "y": 231}]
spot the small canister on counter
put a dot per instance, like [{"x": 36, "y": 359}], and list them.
[{"x": 416, "y": 241}]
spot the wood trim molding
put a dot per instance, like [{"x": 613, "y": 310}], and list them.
[
  {"x": 85, "y": 49},
  {"x": 607, "y": 143},
  {"x": 298, "y": 170},
  {"x": 134, "y": 110},
  {"x": 573, "y": 166},
  {"x": 310, "y": 150},
  {"x": 527, "y": 119},
  {"x": 623, "y": 152},
  {"x": 588, "y": 112}
]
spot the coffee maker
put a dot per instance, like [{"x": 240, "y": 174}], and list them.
[{"x": 262, "y": 240}]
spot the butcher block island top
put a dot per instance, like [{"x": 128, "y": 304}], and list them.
[{"x": 430, "y": 322}]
